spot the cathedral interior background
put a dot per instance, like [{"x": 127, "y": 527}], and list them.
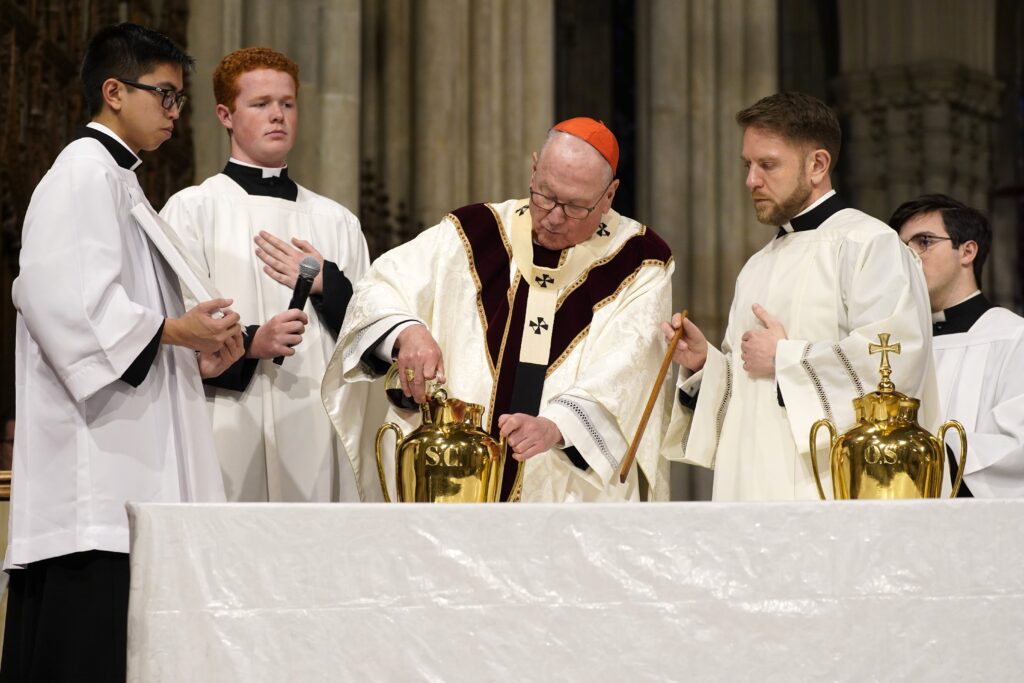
[{"x": 410, "y": 108}]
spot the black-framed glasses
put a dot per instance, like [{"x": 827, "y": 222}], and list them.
[
  {"x": 169, "y": 98},
  {"x": 573, "y": 211},
  {"x": 922, "y": 241}
]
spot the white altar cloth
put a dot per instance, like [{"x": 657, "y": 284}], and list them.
[{"x": 916, "y": 591}]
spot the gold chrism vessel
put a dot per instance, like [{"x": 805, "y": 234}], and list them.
[
  {"x": 449, "y": 458},
  {"x": 887, "y": 454}
]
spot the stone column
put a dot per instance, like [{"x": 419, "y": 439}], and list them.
[
  {"x": 442, "y": 106},
  {"x": 456, "y": 96},
  {"x": 700, "y": 62},
  {"x": 919, "y": 97},
  {"x": 340, "y": 98}
]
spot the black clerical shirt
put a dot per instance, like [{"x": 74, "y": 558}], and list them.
[
  {"x": 813, "y": 218},
  {"x": 252, "y": 180},
  {"x": 961, "y": 318}
]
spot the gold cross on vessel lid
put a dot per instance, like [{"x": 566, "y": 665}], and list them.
[{"x": 885, "y": 369}]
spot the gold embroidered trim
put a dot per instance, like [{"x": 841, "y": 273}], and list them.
[
  {"x": 628, "y": 280},
  {"x": 516, "y": 496},
  {"x": 476, "y": 279},
  {"x": 501, "y": 351},
  {"x": 501, "y": 231},
  {"x": 568, "y": 349},
  {"x": 600, "y": 262}
]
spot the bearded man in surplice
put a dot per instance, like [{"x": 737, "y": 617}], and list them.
[
  {"x": 538, "y": 309},
  {"x": 805, "y": 309}
]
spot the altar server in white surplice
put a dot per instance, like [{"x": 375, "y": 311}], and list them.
[
  {"x": 541, "y": 309},
  {"x": 805, "y": 309},
  {"x": 979, "y": 347},
  {"x": 109, "y": 400},
  {"x": 250, "y": 225}
]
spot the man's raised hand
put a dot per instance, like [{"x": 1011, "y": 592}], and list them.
[
  {"x": 758, "y": 345},
  {"x": 282, "y": 259}
]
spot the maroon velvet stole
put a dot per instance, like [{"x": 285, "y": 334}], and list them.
[{"x": 502, "y": 307}]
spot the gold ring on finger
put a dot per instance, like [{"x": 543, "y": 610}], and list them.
[{"x": 410, "y": 374}]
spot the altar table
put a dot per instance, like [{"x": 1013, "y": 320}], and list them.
[{"x": 813, "y": 591}]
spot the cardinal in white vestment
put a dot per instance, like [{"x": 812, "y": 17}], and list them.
[
  {"x": 250, "y": 225},
  {"x": 979, "y": 347},
  {"x": 538, "y": 309},
  {"x": 805, "y": 309}
]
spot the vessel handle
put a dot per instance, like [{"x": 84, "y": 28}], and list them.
[
  {"x": 814, "y": 449},
  {"x": 517, "y": 483},
  {"x": 497, "y": 471},
  {"x": 380, "y": 459},
  {"x": 494, "y": 493},
  {"x": 953, "y": 424}
]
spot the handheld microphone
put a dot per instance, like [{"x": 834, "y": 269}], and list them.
[{"x": 308, "y": 270}]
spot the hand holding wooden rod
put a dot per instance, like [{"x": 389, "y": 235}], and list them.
[{"x": 627, "y": 462}]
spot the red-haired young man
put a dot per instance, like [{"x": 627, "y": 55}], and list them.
[{"x": 273, "y": 438}]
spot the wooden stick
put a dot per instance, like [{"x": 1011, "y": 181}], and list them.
[{"x": 631, "y": 453}]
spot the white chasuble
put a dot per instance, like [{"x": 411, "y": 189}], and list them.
[
  {"x": 91, "y": 296},
  {"x": 834, "y": 289},
  {"x": 585, "y": 333},
  {"x": 981, "y": 383},
  {"x": 274, "y": 439}
]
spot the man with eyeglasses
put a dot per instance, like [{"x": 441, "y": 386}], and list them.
[
  {"x": 170, "y": 99},
  {"x": 806, "y": 307},
  {"x": 108, "y": 364},
  {"x": 979, "y": 347},
  {"x": 538, "y": 309},
  {"x": 251, "y": 225}
]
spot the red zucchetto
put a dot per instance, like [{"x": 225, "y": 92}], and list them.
[{"x": 596, "y": 134}]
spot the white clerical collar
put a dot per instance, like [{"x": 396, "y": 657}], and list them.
[
  {"x": 106, "y": 131},
  {"x": 267, "y": 172},
  {"x": 940, "y": 316},
  {"x": 788, "y": 225}
]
